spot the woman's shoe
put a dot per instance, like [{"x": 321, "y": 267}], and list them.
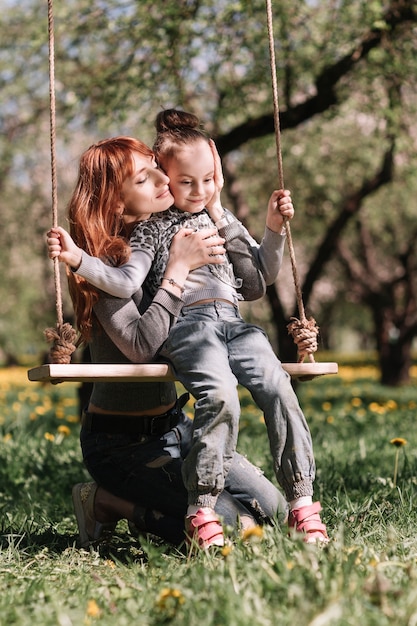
[
  {"x": 203, "y": 529},
  {"x": 307, "y": 520},
  {"x": 90, "y": 530}
]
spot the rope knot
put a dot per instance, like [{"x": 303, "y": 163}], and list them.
[
  {"x": 63, "y": 337},
  {"x": 304, "y": 333}
]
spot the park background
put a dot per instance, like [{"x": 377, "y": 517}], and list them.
[{"x": 347, "y": 86}]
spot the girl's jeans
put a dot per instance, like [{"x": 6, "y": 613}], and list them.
[
  {"x": 148, "y": 472},
  {"x": 212, "y": 349}
]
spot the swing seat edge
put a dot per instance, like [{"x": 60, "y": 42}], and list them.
[{"x": 145, "y": 372}]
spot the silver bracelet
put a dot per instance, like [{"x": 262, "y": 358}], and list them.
[
  {"x": 223, "y": 220},
  {"x": 174, "y": 284}
]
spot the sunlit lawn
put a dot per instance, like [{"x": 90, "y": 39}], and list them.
[{"x": 366, "y": 446}]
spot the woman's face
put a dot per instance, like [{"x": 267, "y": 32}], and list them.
[
  {"x": 191, "y": 175},
  {"x": 146, "y": 191}
]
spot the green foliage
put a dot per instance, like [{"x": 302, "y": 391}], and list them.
[{"x": 366, "y": 576}]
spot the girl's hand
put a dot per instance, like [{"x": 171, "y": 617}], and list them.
[
  {"x": 214, "y": 207},
  {"x": 280, "y": 207},
  {"x": 61, "y": 245}
]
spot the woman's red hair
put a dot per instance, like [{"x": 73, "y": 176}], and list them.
[{"x": 94, "y": 222}]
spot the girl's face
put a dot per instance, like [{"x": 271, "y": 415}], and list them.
[
  {"x": 191, "y": 175},
  {"x": 145, "y": 192}
]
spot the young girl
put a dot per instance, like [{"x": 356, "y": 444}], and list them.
[{"x": 211, "y": 348}]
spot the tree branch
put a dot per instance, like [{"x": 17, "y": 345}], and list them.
[
  {"x": 398, "y": 12},
  {"x": 350, "y": 207}
]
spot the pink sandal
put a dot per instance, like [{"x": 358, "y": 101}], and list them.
[
  {"x": 307, "y": 520},
  {"x": 204, "y": 529}
]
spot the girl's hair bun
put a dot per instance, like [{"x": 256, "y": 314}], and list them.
[{"x": 173, "y": 119}]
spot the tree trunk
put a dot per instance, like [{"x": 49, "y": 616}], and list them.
[
  {"x": 395, "y": 362},
  {"x": 394, "y": 349}
]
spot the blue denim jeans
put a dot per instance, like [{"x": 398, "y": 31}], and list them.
[
  {"x": 212, "y": 349},
  {"x": 147, "y": 471}
]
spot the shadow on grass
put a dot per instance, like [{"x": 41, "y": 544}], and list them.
[
  {"x": 122, "y": 547},
  {"x": 36, "y": 542}
]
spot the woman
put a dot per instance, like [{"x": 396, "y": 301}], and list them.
[{"x": 134, "y": 436}]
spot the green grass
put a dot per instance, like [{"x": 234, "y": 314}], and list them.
[{"x": 367, "y": 575}]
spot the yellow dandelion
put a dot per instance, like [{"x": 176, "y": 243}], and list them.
[
  {"x": 7, "y": 437},
  {"x": 254, "y": 532},
  {"x": 398, "y": 442},
  {"x": 330, "y": 419},
  {"x": 391, "y": 405},
  {"x": 377, "y": 408},
  {"x": 93, "y": 610},
  {"x": 165, "y": 593},
  {"x": 356, "y": 402},
  {"x": 110, "y": 563},
  {"x": 73, "y": 419},
  {"x": 49, "y": 437},
  {"x": 226, "y": 550},
  {"x": 64, "y": 430},
  {"x": 69, "y": 401},
  {"x": 170, "y": 598},
  {"x": 326, "y": 406}
]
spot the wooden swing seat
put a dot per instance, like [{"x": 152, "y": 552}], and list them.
[{"x": 153, "y": 372}]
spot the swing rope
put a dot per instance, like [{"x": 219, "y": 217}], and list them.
[
  {"x": 302, "y": 329},
  {"x": 63, "y": 336}
]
